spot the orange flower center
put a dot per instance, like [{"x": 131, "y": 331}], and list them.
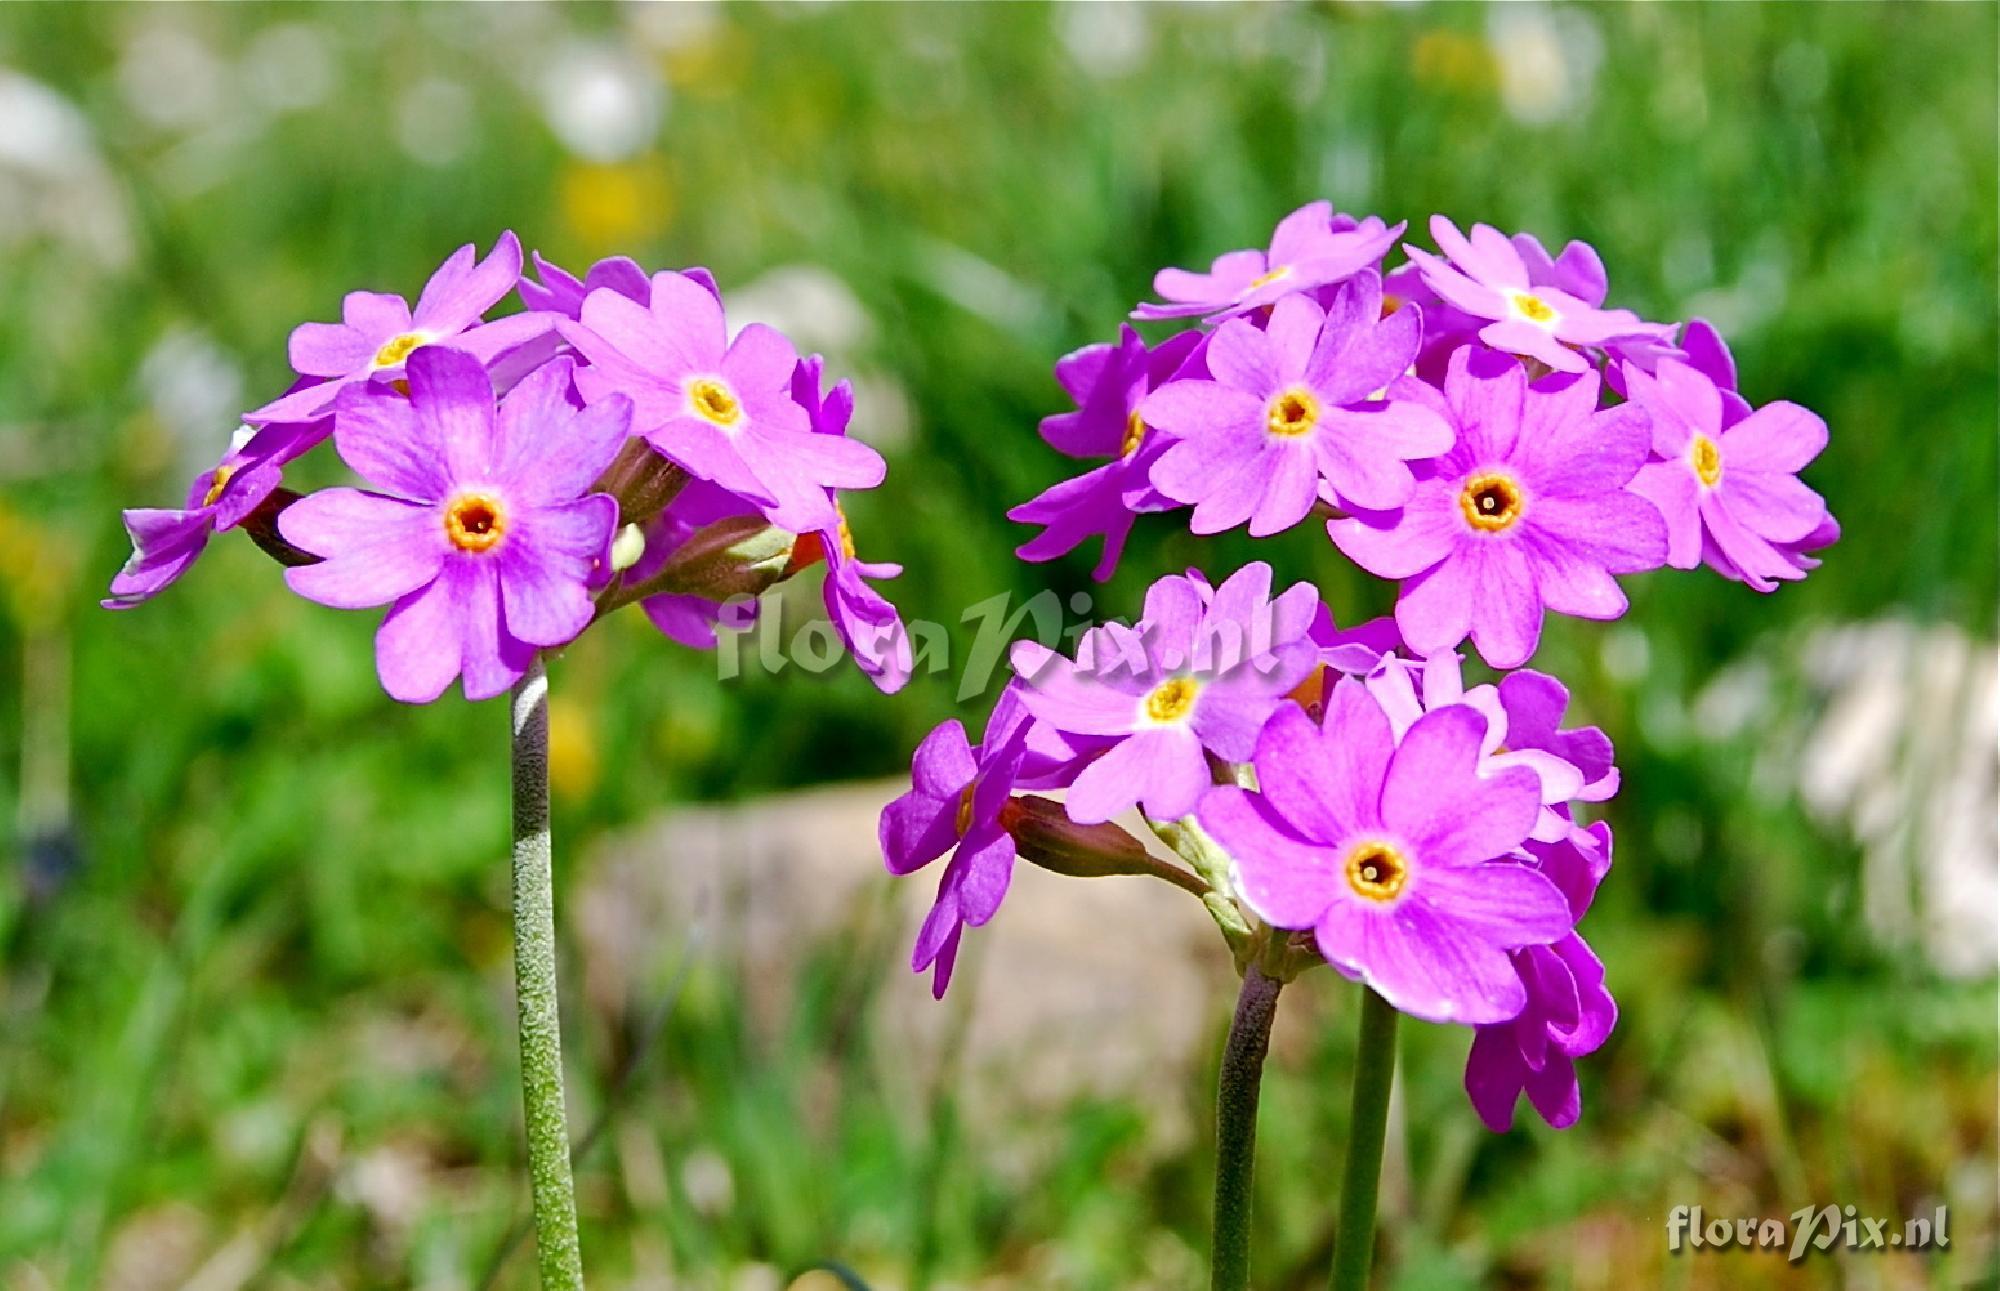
[
  {"x": 965, "y": 809},
  {"x": 1292, "y": 413},
  {"x": 1491, "y": 502},
  {"x": 475, "y": 522},
  {"x": 1376, "y": 872},
  {"x": 714, "y": 401}
]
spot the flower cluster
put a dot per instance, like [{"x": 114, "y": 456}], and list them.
[
  {"x": 1473, "y": 425},
  {"x": 610, "y": 442}
]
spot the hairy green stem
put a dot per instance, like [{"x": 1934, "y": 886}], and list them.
[
  {"x": 1236, "y": 1128},
  {"x": 557, "y": 1249},
  {"x": 1374, "y": 1072}
]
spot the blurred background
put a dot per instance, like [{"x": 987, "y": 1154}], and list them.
[{"x": 255, "y": 1008}]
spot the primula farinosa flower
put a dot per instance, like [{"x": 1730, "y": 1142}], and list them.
[
  {"x": 1569, "y": 1012},
  {"x": 1108, "y": 383},
  {"x": 1315, "y": 396},
  {"x": 1728, "y": 489},
  {"x": 1202, "y": 671},
  {"x": 867, "y": 623},
  {"x": 959, "y": 802},
  {"x": 720, "y": 409},
  {"x": 489, "y": 548},
  {"x": 1487, "y": 277},
  {"x": 1529, "y": 510},
  {"x": 1522, "y": 715},
  {"x": 1311, "y": 248},
  {"x": 1396, "y": 855},
  {"x": 378, "y": 332},
  {"x": 559, "y": 291},
  {"x": 165, "y": 542}
]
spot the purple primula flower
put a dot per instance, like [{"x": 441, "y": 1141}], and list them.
[
  {"x": 867, "y": 623},
  {"x": 489, "y": 550},
  {"x": 1488, "y": 277},
  {"x": 165, "y": 543},
  {"x": 958, "y": 802},
  {"x": 1395, "y": 855},
  {"x": 1311, "y": 248},
  {"x": 1202, "y": 671},
  {"x": 1569, "y": 1011},
  {"x": 721, "y": 409},
  {"x": 1317, "y": 396},
  {"x": 1108, "y": 382},
  {"x": 378, "y": 332},
  {"x": 561, "y": 292},
  {"x": 1729, "y": 487},
  {"x": 1528, "y": 511}
]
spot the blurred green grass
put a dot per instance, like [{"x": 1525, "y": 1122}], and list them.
[{"x": 265, "y": 865}]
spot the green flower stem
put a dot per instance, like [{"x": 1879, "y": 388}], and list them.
[
  {"x": 1374, "y": 1071},
  {"x": 557, "y": 1250},
  {"x": 1236, "y": 1128}
]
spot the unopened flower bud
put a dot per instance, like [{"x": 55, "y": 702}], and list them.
[
  {"x": 1045, "y": 835},
  {"x": 740, "y": 556}
]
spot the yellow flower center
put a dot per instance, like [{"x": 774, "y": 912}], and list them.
[
  {"x": 1266, "y": 279},
  {"x": 475, "y": 522},
  {"x": 1533, "y": 308},
  {"x": 1491, "y": 502},
  {"x": 1172, "y": 698},
  {"x": 1292, "y": 413},
  {"x": 217, "y": 484},
  {"x": 1135, "y": 433},
  {"x": 714, "y": 401},
  {"x": 397, "y": 348},
  {"x": 846, "y": 534},
  {"x": 1376, "y": 872},
  {"x": 965, "y": 809},
  {"x": 1390, "y": 304},
  {"x": 1707, "y": 460}
]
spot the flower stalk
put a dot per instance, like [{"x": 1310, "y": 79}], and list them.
[
  {"x": 1374, "y": 1072},
  {"x": 557, "y": 1249},
  {"x": 1236, "y": 1127}
]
